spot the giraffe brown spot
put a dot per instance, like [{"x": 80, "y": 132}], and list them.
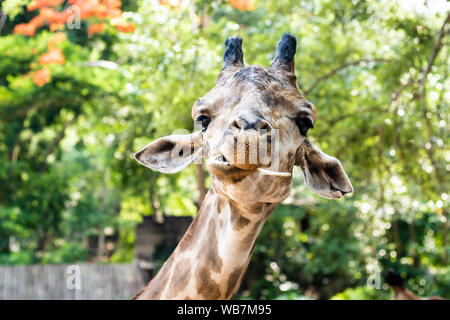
[
  {"x": 238, "y": 221},
  {"x": 220, "y": 204},
  {"x": 257, "y": 208},
  {"x": 249, "y": 239},
  {"x": 238, "y": 178},
  {"x": 211, "y": 248},
  {"x": 261, "y": 185},
  {"x": 206, "y": 286},
  {"x": 180, "y": 278},
  {"x": 232, "y": 282},
  {"x": 242, "y": 222}
]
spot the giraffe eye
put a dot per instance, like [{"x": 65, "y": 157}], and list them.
[
  {"x": 204, "y": 120},
  {"x": 304, "y": 124}
]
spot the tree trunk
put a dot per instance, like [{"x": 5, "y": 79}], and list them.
[
  {"x": 100, "y": 244},
  {"x": 156, "y": 206},
  {"x": 412, "y": 243},
  {"x": 396, "y": 234},
  {"x": 444, "y": 237}
]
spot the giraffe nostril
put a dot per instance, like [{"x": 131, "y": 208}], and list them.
[
  {"x": 256, "y": 123},
  {"x": 265, "y": 127},
  {"x": 235, "y": 125}
]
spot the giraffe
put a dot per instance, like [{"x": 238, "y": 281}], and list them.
[{"x": 240, "y": 116}]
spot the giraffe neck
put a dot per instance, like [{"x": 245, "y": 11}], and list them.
[{"x": 211, "y": 259}]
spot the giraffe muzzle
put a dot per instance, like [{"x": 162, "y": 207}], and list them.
[{"x": 247, "y": 151}]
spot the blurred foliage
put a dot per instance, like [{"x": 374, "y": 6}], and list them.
[
  {"x": 360, "y": 293},
  {"x": 67, "y": 175}
]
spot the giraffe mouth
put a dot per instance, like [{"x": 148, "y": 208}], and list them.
[
  {"x": 220, "y": 161},
  {"x": 220, "y": 165},
  {"x": 224, "y": 169}
]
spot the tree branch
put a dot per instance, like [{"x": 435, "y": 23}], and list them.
[
  {"x": 336, "y": 70},
  {"x": 437, "y": 47},
  {"x": 105, "y": 64},
  {"x": 422, "y": 98},
  {"x": 102, "y": 64},
  {"x": 2, "y": 19},
  {"x": 58, "y": 138},
  {"x": 335, "y": 121},
  {"x": 423, "y": 102},
  {"x": 394, "y": 98}
]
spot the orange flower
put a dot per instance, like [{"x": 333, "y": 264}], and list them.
[
  {"x": 88, "y": 8},
  {"x": 102, "y": 12},
  {"x": 56, "y": 20},
  {"x": 114, "y": 12},
  {"x": 25, "y": 29},
  {"x": 38, "y": 4},
  {"x": 53, "y": 56},
  {"x": 125, "y": 27},
  {"x": 50, "y": 15},
  {"x": 41, "y": 77},
  {"x": 29, "y": 28},
  {"x": 60, "y": 17},
  {"x": 112, "y": 3},
  {"x": 105, "y": 12},
  {"x": 243, "y": 5},
  {"x": 96, "y": 28},
  {"x": 37, "y": 21},
  {"x": 46, "y": 13}
]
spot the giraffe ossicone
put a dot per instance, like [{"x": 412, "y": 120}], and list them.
[{"x": 252, "y": 129}]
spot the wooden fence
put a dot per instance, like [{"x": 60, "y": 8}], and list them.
[{"x": 95, "y": 281}]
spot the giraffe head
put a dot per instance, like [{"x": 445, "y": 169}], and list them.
[{"x": 253, "y": 118}]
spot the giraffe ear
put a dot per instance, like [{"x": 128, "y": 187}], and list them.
[
  {"x": 324, "y": 174},
  {"x": 172, "y": 153}
]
